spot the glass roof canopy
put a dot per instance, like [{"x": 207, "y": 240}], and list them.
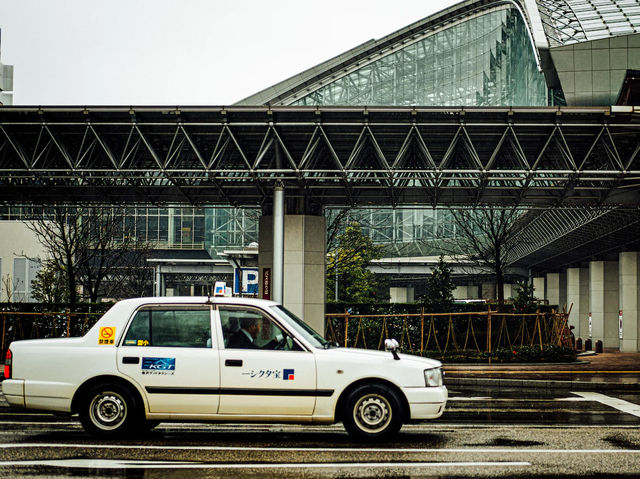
[
  {"x": 572, "y": 21},
  {"x": 392, "y": 65}
]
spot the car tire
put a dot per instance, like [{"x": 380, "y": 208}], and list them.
[
  {"x": 110, "y": 410},
  {"x": 372, "y": 412}
]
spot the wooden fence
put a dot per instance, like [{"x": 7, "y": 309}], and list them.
[
  {"x": 35, "y": 325},
  {"x": 444, "y": 333},
  {"x": 418, "y": 333}
]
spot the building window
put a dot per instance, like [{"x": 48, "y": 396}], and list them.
[{"x": 24, "y": 272}]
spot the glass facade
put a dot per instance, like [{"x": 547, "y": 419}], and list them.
[
  {"x": 229, "y": 228},
  {"x": 213, "y": 229},
  {"x": 487, "y": 60},
  {"x": 406, "y": 231}
]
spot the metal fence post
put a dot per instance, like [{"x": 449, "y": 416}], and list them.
[
  {"x": 422, "y": 331},
  {"x": 4, "y": 320},
  {"x": 539, "y": 328},
  {"x": 489, "y": 334},
  {"x": 346, "y": 327}
]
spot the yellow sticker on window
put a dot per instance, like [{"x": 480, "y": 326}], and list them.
[
  {"x": 143, "y": 342},
  {"x": 107, "y": 335}
]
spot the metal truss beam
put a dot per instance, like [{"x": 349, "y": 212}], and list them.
[
  {"x": 561, "y": 238},
  {"x": 336, "y": 157}
]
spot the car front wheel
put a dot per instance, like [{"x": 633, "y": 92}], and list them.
[
  {"x": 372, "y": 412},
  {"x": 109, "y": 410}
]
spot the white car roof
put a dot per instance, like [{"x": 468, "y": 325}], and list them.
[{"x": 197, "y": 300}]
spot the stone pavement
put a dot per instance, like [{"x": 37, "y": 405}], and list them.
[{"x": 611, "y": 370}]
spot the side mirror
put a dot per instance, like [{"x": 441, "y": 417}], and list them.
[{"x": 392, "y": 345}]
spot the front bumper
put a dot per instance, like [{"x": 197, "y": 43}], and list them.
[{"x": 426, "y": 402}]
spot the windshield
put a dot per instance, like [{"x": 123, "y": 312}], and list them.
[{"x": 302, "y": 328}]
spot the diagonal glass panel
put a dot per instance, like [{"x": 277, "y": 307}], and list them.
[{"x": 486, "y": 60}]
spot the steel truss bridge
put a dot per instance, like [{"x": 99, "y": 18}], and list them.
[{"x": 327, "y": 156}]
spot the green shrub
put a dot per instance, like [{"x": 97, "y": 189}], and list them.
[{"x": 518, "y": 354}]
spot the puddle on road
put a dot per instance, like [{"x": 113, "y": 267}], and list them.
[
  {"x": 622, "y": 442},
  {"x": 506, "y": 442}
]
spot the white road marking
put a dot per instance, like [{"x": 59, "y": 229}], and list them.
[
  {"x": 315, "y": 449},
  {"x": 217, "y": 428},
  {"x": 619, "y": 404},
  {"x": 41, "y": 423},
  {"x": 515, "y": 400},
  {"x": 459, "y": 398},
  {"x": 124, "y": 464}
]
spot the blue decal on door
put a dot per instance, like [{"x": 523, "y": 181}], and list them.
[
  {"x": 288, "y": 374},
  {"x": 159, "y": 364}
]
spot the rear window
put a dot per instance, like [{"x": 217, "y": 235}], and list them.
[{"x": 170, "y": 327}]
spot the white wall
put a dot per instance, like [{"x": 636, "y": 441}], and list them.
[{"x": 16, "y": 241}]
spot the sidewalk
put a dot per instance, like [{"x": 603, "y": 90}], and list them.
[{"x": 611, "y": 370}]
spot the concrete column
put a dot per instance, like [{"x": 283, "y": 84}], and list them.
[
  {"x": 603, "y": 301},
  {"x": 556, "y": 292},
  {"x": 304, "y": 264},
  {"x": 171, "y": 233},
  {"x": 402, "y": 295},
  {"x": 488, "y": 291},
  {"x": 578, "y": 295},
  {"x": 278, "y": 244},
  {"x": 629, "y": 300},
  {"x": 538, "y": 287}
]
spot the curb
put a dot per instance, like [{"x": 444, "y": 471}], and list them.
[
  {"x": 542, "y": 385},
  {"x": 503, "y": 365}
]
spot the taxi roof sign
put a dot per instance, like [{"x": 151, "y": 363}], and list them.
[{"x": 220, "y": 289}]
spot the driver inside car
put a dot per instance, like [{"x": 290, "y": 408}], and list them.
[{"x": 245, "y": 337}]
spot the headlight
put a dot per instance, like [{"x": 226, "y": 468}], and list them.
[{"x": 433, "y": 377}]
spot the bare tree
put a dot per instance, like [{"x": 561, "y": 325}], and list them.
[
  {"x": 9, "y": 286},
  {"x": 133, "y": 277},
  {"x": 49, "y": 286},
  {"x": 63, "y": 233},
  {"x": 484, "y": 237},
  {"x": 88, "y": 246}
]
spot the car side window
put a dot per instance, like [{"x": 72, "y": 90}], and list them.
[
  {"x": 139, "y": 333},
  {"x": 249, "y": 328},
  {"x": 170, "y": 327}
]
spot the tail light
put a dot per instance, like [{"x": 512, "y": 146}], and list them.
[{"x": 7, "y": 365}]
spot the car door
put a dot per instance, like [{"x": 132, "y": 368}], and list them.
[
  {"x": 170, "y": 352},
  {"x": 264, "y": 371}
]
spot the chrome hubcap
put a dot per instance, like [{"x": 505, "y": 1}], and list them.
[
  {"x": 108, "y": 410},
  {"x": 372, "y": 413}
]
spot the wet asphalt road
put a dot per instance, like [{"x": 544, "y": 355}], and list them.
[{"x": 483, "y": 433}]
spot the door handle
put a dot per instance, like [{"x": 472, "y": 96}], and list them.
[
  {"x": 130, "y": 360},
  {"x": 234, "y": 363}
]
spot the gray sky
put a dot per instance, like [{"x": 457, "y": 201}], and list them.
[{"x": 181, "y": 52}]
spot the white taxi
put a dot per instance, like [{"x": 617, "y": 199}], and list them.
[{"x": 218, "y": 359}]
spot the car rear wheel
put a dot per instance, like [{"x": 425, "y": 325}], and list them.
[
  {"x": 372, "y": 412},
  {"x": 109, "y": 410}
]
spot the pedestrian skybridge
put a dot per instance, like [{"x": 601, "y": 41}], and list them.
[{"x": 324, "y": 156}]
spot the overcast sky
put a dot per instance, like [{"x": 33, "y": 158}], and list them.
[{"x": 181, "y": 52}]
